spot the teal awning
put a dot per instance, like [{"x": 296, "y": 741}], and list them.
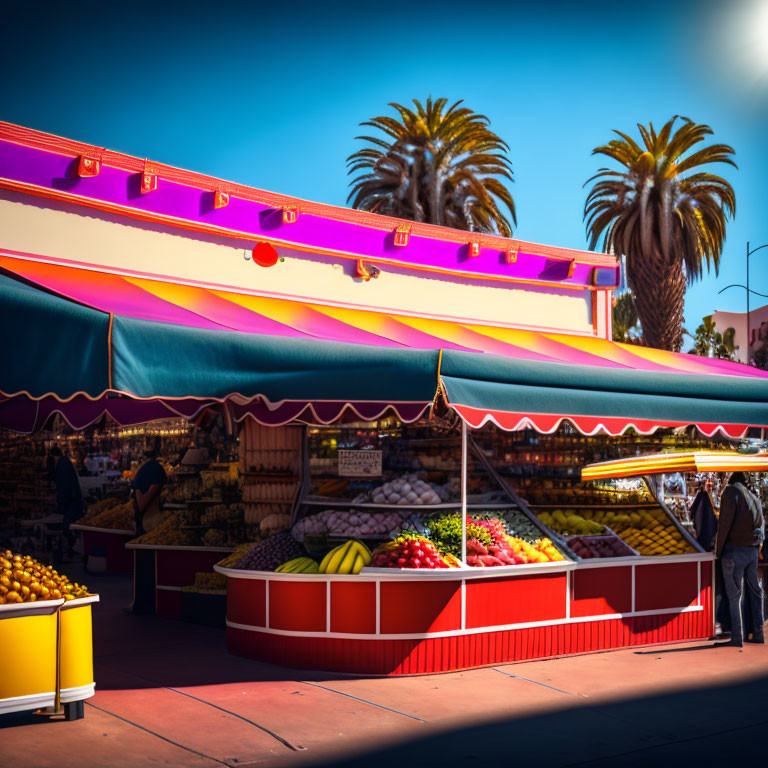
[
  {"x": 63, "y": 349},
  {"x": 53, "y": 346}
]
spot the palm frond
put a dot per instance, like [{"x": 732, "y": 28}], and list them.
[
  {"x": 668, "y": 222},
  {"x": 437, "y": 163}
]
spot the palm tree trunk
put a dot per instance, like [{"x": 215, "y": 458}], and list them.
[
  {"x": 660, "y": 293},
  {"x": 436, "y": 203},
  {"x": 417, "y": 210}
]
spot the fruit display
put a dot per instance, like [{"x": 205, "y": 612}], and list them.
[
  {"x": 490, "y": 539},
  {"x": 518, "y": 524},
  {"x": 445, "y": 532},
  {"x": 410, "y": 551},
  {"x": 570, "y": 523},
  {"x": 350, "y": 557},
  {"x": 182, "y": 488},
  {"x": 95, "y": 509},
  {"x": 537, "y": 490},
  {"x": 299, "y": 565},
  {"x": 209, "y": 582},
  {"x": 408, "y": 489},
  {"x": 648, "y": 531},
  {"x": 214, "y": 537},
  {"x": 109, "y": 513},
  {"x": 169, "y": 533},
  {"x": 270, "y": 553},
  {"x": 349, "y": 523},
  {"x": 231, "y": 560},
  {"x": 589, "y": 547},
  {"x": 540, "y": 551},
  {"x": 217, "y": 477},
  {"x": 661, "y": 539},
  {"x": 222, "y": 513},
  {"x": 25, "y": 580},
  {"x": 507, "y": 550},
  {"x": 119, "y": 517}
]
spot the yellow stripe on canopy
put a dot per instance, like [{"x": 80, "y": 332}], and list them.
[{"x": 662, "y": 463}]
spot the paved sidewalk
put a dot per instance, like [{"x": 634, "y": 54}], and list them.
[{"x": 168, "y": 694}]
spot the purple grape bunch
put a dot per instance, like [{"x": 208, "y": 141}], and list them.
[{"x": 268, "y": 554}]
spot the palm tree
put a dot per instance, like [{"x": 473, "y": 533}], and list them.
[
  {"x": 438, "y": 165},
  {"x": 665, "y": 219},
  {"x": 709, "y": 342},
  {"x": 625, "y": 319},
  {"x": 729, "y": 344}
]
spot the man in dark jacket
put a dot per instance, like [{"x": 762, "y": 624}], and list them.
[{"x": 740, "y": 535}]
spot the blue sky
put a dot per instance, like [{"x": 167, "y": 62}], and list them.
[{"x": 272, "y": 96}]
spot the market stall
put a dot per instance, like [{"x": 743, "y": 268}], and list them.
[
  {"x": 479, "y": 573},
  {"x": 406, "y": 623},
  {"x": 416, "y": 618},
  {"x": 45, "y": 631}
]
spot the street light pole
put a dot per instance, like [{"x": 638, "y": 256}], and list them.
[{"x": 749, "y": 330}]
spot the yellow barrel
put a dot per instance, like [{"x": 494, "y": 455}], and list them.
[
  {"x": 28, "y": 655},
  {"x": 77, "y": 649}
]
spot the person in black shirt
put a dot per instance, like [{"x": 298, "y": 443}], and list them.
[{"x": 146, "y": 487}]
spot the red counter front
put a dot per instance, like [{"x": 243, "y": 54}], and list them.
[
  {"x": 175, "y": 567},
  {"x": 110, "y": 544},
  {"x": 400, "y": 623}
]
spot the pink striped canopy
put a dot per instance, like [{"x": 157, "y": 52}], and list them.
[{"x": 200, "y": 307}]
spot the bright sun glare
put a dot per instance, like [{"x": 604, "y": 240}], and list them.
[{"x": 746, "y": 36}]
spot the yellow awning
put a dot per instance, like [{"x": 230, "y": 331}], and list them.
[{"x": 664, "y": 463}]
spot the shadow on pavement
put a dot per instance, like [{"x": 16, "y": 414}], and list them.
[
  {"x": 25, "y": 718},
  {"x": 703, "y": 727},
  {"x": 683, "y": 649}
]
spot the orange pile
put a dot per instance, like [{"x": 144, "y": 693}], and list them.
[{"x": 24, "y": 580}]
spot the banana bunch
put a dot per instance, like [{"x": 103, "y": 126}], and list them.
[
  {"x": 350, "y": 557},
  {"x": 298, "y": 565}
]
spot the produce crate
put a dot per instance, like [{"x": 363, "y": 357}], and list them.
[
  {"x": 600, "y": 545},
  {"x": 52, "y": 652}
]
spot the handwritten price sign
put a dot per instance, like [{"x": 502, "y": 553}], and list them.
[{"x": 359, "y": 463}]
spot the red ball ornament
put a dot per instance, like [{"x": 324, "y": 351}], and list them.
[{"x": 264, "y": 255}]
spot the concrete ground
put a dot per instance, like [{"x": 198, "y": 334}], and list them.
[{"x": 168, "y": 694}]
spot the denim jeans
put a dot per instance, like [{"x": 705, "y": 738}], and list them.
[{"x": 740, "y": 566}]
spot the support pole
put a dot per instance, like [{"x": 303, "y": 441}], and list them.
[
  {"x": 749, "y": 340},
  {"x": 463, "y": 492}
]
